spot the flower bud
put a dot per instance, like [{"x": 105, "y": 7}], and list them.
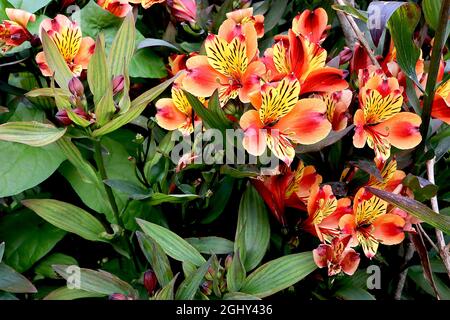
[
  {"x": 345, "y": 55},
  {"x": 118, "y": 84},
  {"x": 80, "y": 112},
  {"x": 63, "y": 118},
  {"x": 150, "y": 281},
  {"x": 119, "y": 296},
  {"x": 76, "y": 87},
  {"x": 228, "y": 261},
  {"x": 206, "y": 287}
]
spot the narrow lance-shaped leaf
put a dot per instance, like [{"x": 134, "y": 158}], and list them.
[
  {"x": 156, "y": 257},
  {"x": 189, "y": 287},
  {"x": 12, "y": 281},
  {"x": 123, "y": 46},
  {"x": 56, "y": 61},
  {"x": 279, "y": 274},
  {"x": 32, "y": 133},
  {"x": 172, "y": 244},
  {"x": 68, "y": 217},
  {"x": 415, "y": 208},
  {"x": 168, "y": 291},
  {"x": 209, "y": 245},
  {"x": 65, "y": 293},
  {"x": 101, "y": 282},
  {"x": 236, "y": 273},
  {"x": 138, "y": 105}
]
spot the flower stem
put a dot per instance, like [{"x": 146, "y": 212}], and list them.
[
  {"x": 439, "y": 40},
  {"x": 101, "y": 169}
]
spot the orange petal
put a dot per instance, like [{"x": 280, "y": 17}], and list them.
[
  {"x": 20, "y": 16},
  {"x": 324, "y": 80},
  {"x": 350, "y": 261},
  {"x": 307, "y": 122},
  {"x": 440, "y": 109},
  {"x": 388, "y": 229},
  {"x": 322, "y": 254},
  {"x": 360, "y": 137},
  {"x": 254, "y": 138},
  {"x": 251, "y": 80},
  {"x": 168, "y": 116},
  {"x": 311, "y": 24},
  {"x": 298, "y": 54},
  {"x": 201, "y": 79},
  {"x": 85, "y": 52},
  {"x": 42, "y": 64},
  {"x": 403, "y": 130}
]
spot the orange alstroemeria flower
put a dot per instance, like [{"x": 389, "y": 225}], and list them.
[
  {"x": 379, "y": 121},
  {"x": 13, "y": 32},
  {"x": 228, "y": 65},
  {"x": 66, "y": 35},
  {"x": 370, "y": 224},
  {"x": 313, "y": 25},
  {"x": 391, "y": 177},
  {"x": 287, "y": 189},
  {"x": 337, "y": 106},
  {"x": 306, "y": 60},
  {"x": 281, "y": 119},
  {"x": 146, "y": 3},
  {"x": 441, "y": 103},
  {"x": 176, "y": 112},
  {"x": 337, "y": 256},
  {"x": 324, "y": 212}
]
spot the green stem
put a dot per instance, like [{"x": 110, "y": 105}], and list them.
[
  {"x": 101, "y": 169},
  {"x": 439, "y": 41}
]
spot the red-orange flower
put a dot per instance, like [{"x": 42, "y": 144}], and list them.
[
  {"x": 312, "y": 25},
  {"x": 66, "y": 35},
  {"x": 337, "y": 106},
  {"x": 441, "y": 103},
  {"x": 228, "y": 65},
  {"x": 370, "y": 224},
  {"x": 13, "y": 32},
  {"x": 379, "y": 121},
  {"x": 146, "y": 3},
  {"x": 243, "y": 16},
  {"x": 337, "y": 256},
  {"x": 183, "y": 10},
  {"x": 119, "y": 8},
  {"x": 281, "y": 120}
]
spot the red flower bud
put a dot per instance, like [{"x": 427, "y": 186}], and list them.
[
  {"x": 63, "y": 118},
  {"x": 150, "y": 281},
  {"x": 81, "y": 113},
  {"x": 118, "y": 84},
  {"x": 345, "y": 55},
  {"x": 76, "y": 87}
]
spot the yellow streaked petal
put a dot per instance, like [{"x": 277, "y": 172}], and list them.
[
  {"x": 369, "y": 244},
  {"x": 180, "y": 101},
  {"x": 378, "y": 109},
  {"x": 281, "y": 147},
  {"x": 368, "y": 210},
  {"x": 68, "y": 42},
  {"x": 238, "y": 60},
  {"x": 279, "y": 101},
  {"x": 280, "y": 58},
  {"x": 218, "y": 53}
]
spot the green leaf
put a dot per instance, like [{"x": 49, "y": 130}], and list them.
[
  {"x": 44, "y": 268},
  {"x": 422, "y": 188},
  {"x": 48, "y": 92},
  {"x": 65, "y": 293},
  {"x": 415, "y": 273},
  {"x": 35, "y": 239},
  {"x": 79, "y": 121},
  {"x": 12, "y": 281},
  {"x": 172, "y": 244},
  {"x": 122, "y": 47},
  {"x": 29, "y": 5},
  {"x": 189, "y": 287},
  {"x": 211, "y": 245},
  {"x": 168, "y": 291},
  {"x": 431, "y": 9},
  {"x": 219, "y": 199},
  {"x": 132, "y": 190},
  {"x": 68, "y": 217},
  {"x": 101, "y": 282},
  {"x": 158, "y": 260},
  {"x": 31, "y": 133},
  {"x": 274, "y": 15},
  {"x": 2, "y": 250},
  {"x": 279, "y": 274},
  {"x": 100, "y": 83},
  {"x": 239, "y": 296},
  {"x": 354, "y": 293},
  {"x": 236, "y": 274},
  {"x": 240, "y": 172},
  {"x": 56, "y": 61},
  {"x": 401, "y": 25},
  {"x": 369, "y": 167},
  {"x": 18, "y": 159},
  {"x": 415, "y": 208},
  {"x": 379, "y": 12},
  {"x": 253, "y": 229},
  {"x": 147, "y": 64},
  {"x": 358, "y": 14},
  {"x": 151, "y": 42},
  {"x": 158, "y": 198},
  {"x": 137, "y": 107}
]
